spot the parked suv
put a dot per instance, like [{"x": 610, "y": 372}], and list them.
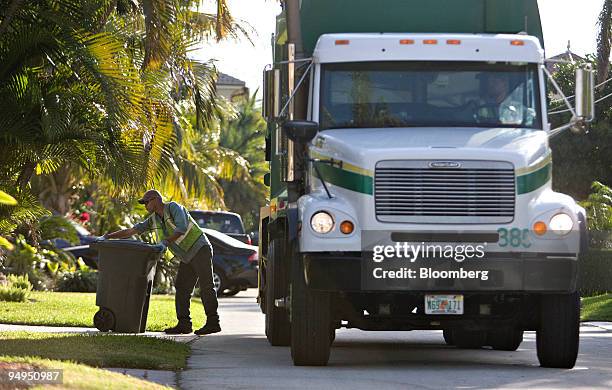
[{"x": 222, "y": 221}]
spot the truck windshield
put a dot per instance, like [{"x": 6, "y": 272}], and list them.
[{"x": 405, "y": 94}]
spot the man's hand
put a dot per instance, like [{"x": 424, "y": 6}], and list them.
[{"x": 164, "y": 245}]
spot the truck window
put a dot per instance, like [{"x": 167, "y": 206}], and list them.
[{"x": 450, "y": 94}]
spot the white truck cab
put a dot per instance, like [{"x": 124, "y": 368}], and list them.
[{"x": 411, "y": 180}]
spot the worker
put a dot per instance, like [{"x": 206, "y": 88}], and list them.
[{"x": 176, "y": 230}]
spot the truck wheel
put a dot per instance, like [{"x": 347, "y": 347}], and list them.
[
  {"x": 468, "y": 339},
  {"x": 310, "y": 321},
  {"x": 448, "y": 336},
  {"x": 558, "y": 336},
  {"x": 507, "y": 339},
  {"x": 278, "y": 327}
]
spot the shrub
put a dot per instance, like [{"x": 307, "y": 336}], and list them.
[
  {"x": 42, "y": 264},
  {"x": 21, "y": 281},
  {"x": 12, "y": 294},
  {"x": 599, "y": 215},
  {"x": 23, "y": 258},
  {"x": 83, "y": 280},
  {"x": 58, "y": 227},
  {"x": 17, "y": 289},
  {"x": 595, "y": 272}
]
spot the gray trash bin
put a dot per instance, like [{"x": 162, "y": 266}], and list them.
[{"x": 126, "y": 269}]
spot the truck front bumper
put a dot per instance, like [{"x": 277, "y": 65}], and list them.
[{"x": 507, "y": 272}]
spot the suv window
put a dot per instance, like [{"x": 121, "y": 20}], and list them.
[{"x": 224, "y": 223}]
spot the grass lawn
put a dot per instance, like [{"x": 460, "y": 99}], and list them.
[
  {"x": 78, "y": 309},
  {"x": 597, "y": 308},
  {"x": 97, "y": 350},
  {"x": 77, "y": 376}
]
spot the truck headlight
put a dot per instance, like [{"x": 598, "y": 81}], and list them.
[
  {"x": 322, "y": 222},
  {"x": 561, "y": 224}
]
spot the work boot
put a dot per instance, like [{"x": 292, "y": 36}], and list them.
[
  {"x": 208, "y": 329},
  {"x": 180, "y": 328}
]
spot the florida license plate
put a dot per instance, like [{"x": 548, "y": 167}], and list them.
[{"x": 443, "y": 304}]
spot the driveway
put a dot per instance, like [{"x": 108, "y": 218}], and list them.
[{"x": 240, "y": 357}]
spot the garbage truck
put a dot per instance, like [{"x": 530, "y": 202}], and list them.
[{"x": 410, "y": 178}]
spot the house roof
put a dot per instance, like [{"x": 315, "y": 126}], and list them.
[
  {"x": 225, "y": 79},
  {"x": 566, "y": 56}
]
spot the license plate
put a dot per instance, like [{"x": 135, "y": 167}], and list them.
[{"x": 443, "y": 304}]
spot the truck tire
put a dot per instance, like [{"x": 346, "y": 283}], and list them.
[
  {"x": 310, "y": 321},
  {"x": 278, "y": 327},
  {"x": 448, "y": 336},
  {"x": 507, "y": 339},
  {"x": 557, "y": 338},
  {"x": 468, "y": 339}
]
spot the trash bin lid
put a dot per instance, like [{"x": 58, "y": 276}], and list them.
[{"x": 131, "y": 245}]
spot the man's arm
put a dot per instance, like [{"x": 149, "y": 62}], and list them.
[{"x": 125, "y": 233}]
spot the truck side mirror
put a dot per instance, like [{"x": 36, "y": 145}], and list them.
[
  {"x": 271, "y": 94},
  {"x": 585, "y": 98},
  {"x": 300, "y": 131}
]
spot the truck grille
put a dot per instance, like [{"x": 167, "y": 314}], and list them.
[{"x": 471, "y": 192}]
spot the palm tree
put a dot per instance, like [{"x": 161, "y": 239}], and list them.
[
  {"x": 89, "y": 83},
  {"x": 244, "y": 134},
  {"x": 604, "y": 41},
  {"x": 67, "y": 94}
]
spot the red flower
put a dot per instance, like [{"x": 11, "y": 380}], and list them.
[
  {"x": 84, "y": 216},
  {"x": 89, "y": 203}
]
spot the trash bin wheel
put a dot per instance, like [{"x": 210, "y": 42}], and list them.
[{"x": 104, "y": 320}]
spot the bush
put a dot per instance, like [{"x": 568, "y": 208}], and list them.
[
  {"x": 23, "y": 258},
  {"x": 42, "y": 265},
  {"x": 20, "y": 282},
  {"x": 58, "y": 227},
  {"x": 16, "y": 289},
  {"x": 78, "y": 281},
  {"x": 599, "y": 215},
  {"x": 595, "y": 272},
  {"x": 12, "y": 294}
]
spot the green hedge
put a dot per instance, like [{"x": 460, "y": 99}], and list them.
[{"x": 595, "y": 272}]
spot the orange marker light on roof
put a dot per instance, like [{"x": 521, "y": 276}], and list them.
[
  {"x": 430, "y": 41},
  {"x": 517, "y": 42},
  {"x": 342, "y": 41},
  {"x": 453, "y": 42},
  {"x": 406, "y": 41}
]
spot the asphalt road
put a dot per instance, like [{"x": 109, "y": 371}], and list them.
[{"x": 241, "y": 358}]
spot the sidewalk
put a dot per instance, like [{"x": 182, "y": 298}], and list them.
[
  {"x": 181, "y": 338},
  {"x": 162, "y": 377},
  {"x": 607, "y": 326}
]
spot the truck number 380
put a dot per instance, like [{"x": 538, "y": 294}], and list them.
[{"x": 514, "y": 237}]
